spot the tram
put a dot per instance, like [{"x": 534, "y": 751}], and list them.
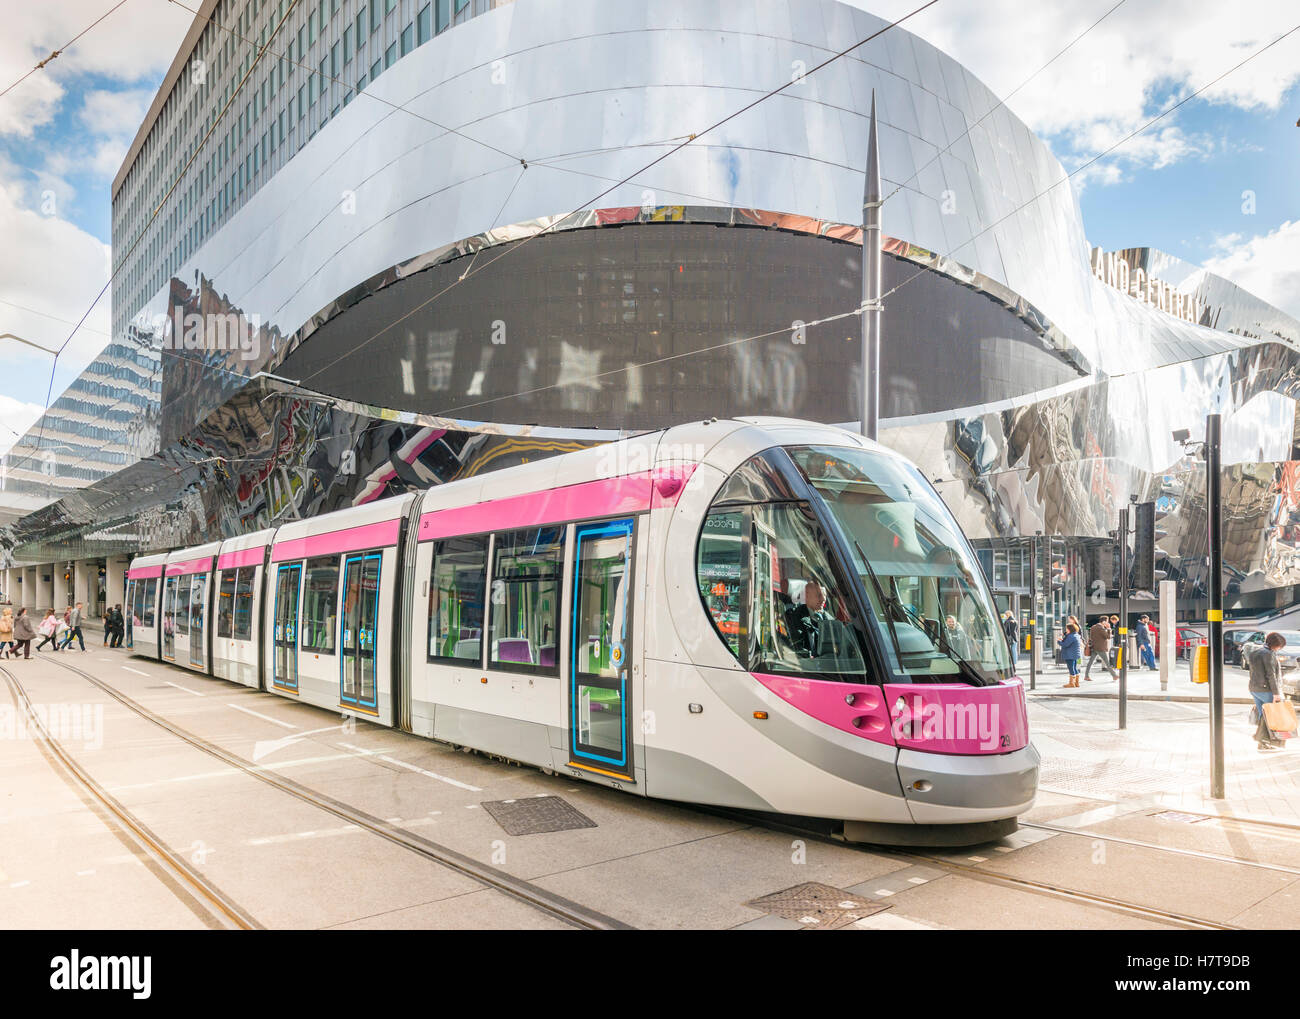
[{"x": 760, "y": 614}]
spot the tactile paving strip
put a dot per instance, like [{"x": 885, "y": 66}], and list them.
[
  {"x": 536, "y": 815},
  {"x": 818, "y": 906}
]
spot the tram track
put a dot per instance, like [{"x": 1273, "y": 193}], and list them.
[
  {"x": 207, "y": 901},
  {"x": 1044, "y": 888},
  {"x": 530, "y": 894}
]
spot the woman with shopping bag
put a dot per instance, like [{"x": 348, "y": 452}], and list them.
[{"x": 1266, "y": 687}]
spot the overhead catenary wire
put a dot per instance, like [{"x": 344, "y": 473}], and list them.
[{"x": 53, "y": 55}]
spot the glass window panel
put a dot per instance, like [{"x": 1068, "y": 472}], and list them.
[
  {"x": 525, "y": 596},
  {"x": 182, "y": 605},
  {"x": 717, "y": 569},
  {"x": 226, "y": 603},
  {"x": 244, "y": 603},
  {"x": 444, "y": 15},
  {"x": 408, "y": 39},
  {"x": 320, "y": 599},
  {"x": 457, "y": 589},
  {"x": 390, "y": 56},
  {"x": 424, "y": 24}
]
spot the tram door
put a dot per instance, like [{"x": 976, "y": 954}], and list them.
[
  {"x": 357, "y": 686},
  {"x": 198, "y": 607},
  {"x": 287, "y": 587},
  {"x": 169, "y": 619},
  {"x": 600, "y": 651}
]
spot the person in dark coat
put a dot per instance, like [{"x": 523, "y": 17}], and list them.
[
  {"x": 1099, "y": 648},
  {"x": 24, "y": 633},
  {"x": 117, "y": 623},
  {"x": 1012, "y": 629},
  {"x": 1145, "y": 651},
  {"x": 1265, "y": 685}
]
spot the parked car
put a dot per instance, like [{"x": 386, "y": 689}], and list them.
[
  {"x": 1232, "y": 641},
  {"x": 1185, "y": 639}
]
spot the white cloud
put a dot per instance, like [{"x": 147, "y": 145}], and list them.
[
  {"x": 135, "y": 43},
  {"x": 1138, "y": 61},
  {"x": 16, "y": 416},
  {"x": 50, "y": 272},
  {"x": 1267, "y": 265}
]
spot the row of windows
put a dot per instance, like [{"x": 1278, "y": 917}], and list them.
[
  {"x": 197, "y": 210},
  {"x": 521, "y": 605}
]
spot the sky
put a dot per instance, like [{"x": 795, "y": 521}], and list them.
[{"x": 1215, "y": 182}]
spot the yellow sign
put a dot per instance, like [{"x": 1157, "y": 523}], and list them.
[
  {"x": 1200, "y": 664},
  {"x": 1214, "y": 616}
]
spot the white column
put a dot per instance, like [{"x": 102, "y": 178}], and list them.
[
  {"x": 44, "y": 588},
  {"x": 30, "y": 585},
  {"x": 115, "y": 589},
  {"x": 61, "y": 587},
  {"x": 1168, "y": 630}
]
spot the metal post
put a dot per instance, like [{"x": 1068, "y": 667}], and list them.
[
  {"x": 1123, "y": 618},
  {"x": 871, "y": 283},
  {"x": 1213, "y": 434},
  {"x": 1033, "y": 612}
]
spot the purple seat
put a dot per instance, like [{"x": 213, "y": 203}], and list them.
[
  {"x": 546, "y": 655},
  {"x": 514, "y": 649}
]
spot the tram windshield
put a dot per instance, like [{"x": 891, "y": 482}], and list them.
[{"x": 920, "y": 574}]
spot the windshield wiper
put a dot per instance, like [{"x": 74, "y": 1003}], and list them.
[{"x": 885, "y": 601}]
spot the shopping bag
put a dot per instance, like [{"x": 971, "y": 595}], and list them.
[{"x": 1281, "y": 719}]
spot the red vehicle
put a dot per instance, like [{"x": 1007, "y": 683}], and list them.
[{"x": 1185, "y": 638}]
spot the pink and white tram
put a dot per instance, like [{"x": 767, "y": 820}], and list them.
[{"x": 761, "y": 614}]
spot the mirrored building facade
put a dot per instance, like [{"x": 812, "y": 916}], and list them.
[{"x": 425, "y": 240}]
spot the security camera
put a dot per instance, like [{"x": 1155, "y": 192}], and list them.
[{"x": 1182, "y": 435}]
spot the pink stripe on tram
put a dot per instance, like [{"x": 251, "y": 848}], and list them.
[
  {"x": 631, "y": 493},
  {"x": 243, "y": 557},
  {"x": 350, "y": 539},
  {"x": 189, "y": 566},
  {"x": 953, "y": 718},
  {"x": 857, "y": 708},
  {"x": 144, "y": 572}
]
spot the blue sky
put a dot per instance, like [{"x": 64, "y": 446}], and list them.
[{"x": 64, "y": 131}]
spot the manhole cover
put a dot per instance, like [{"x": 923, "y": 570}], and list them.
[
  {"x": 821, "y": 907},
  {"x": 536, "y": 814}
]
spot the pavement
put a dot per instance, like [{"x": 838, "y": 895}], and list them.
[
  {"x": 1142, "y": 683},
  {"x": 1124, "y": 815}
]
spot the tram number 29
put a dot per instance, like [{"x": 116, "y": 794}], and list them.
[{"x": 1006, "y": 739}]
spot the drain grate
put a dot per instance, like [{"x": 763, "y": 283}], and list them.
[
  {"x": 535, "y": 815},
  {"x": 821, "y": 907}
]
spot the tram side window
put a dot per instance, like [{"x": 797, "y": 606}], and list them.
[
  {"x": 182, "y": 606},
  {"x": 718, "y": 571},
  {"x": 147, "y": 593},
  {"x": 320, "y": 605},
  {"x": 457, "y": 588},
  {"x": 525, "y": 599},
  {"x": 244, "y": 603},
  {"x": 226, "y": 604}
]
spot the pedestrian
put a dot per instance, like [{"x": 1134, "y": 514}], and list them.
[
  {"x": 1145, "y": 651},
  {"x": 1099, "y": 649},
  {"x": 49, "y": 626},
  {"x": 61, "y": 632},
  {"x": 24, "y": 634},
  {"x": 74, "y": 627},
  {"x": 1072, "y": 652},
  {"x": 1012, "y": 630},
  {"x": 1266, "y": 686},
  {"x": 7, "y": 632},
  {"x": 119, "y": 624}
]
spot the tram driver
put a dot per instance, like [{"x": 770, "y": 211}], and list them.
[{"x": 813, "y": 630}]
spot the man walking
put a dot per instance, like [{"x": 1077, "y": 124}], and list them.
[
  {"x": 1099, "y": 648},
  {"x": 74, "y": 627},
  {"x": 1145, "y": 651}
]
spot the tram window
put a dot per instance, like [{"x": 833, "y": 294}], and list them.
[
  {"x": 244, "y": 603},
  {"x": 181, "y": 607},
  {"x": 718, "y": 572},
  {"x": 149, "y": 593},
  {"x": 799, "y": 616},
  {"x": 457, "y": 588},
  {"x": 525, "y": 597},
  {"x": 320, "y": 601},
  {"x": 226, "y": 604}
]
